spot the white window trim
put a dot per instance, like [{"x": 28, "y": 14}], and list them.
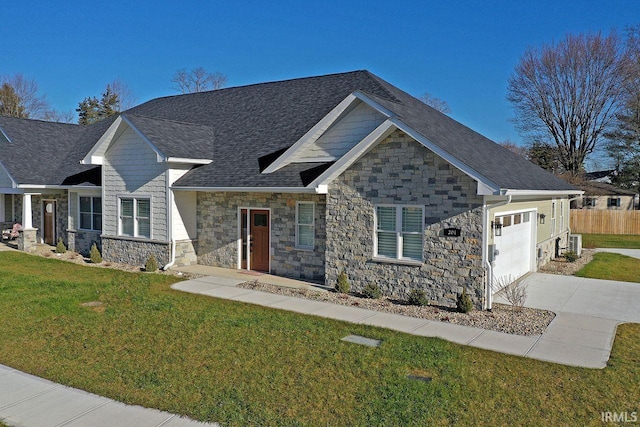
[
  {"x": 135, "y": 216},
  {"x": 313, "y": 225},
  {"x": 399, "y": 258},
  {"x": 92, "y": 213},
  {"x": 562, "y": 215},
  {"x": 553, "y": 217}
]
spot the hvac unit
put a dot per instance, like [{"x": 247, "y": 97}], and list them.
[{"x": 575, "y": 243}]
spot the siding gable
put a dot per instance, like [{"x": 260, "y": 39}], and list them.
[
  {"x": 131, "y": 169},
  {"x": 5, "y": 178},
  {"x": 342, "y": 135}
]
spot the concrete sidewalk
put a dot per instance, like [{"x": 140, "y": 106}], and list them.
[
  {"x": 576, "y": 337},
  {"x": 30, "y": 401},
  {"x": 634, "y": 253}
]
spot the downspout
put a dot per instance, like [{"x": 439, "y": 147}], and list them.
[
  {"x": 485, "y": 249},
  {"x": 170, "y": 224}
]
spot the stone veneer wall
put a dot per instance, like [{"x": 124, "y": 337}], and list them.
[
  {"x": 81, "y": 241},
  {"x": 549, "y": 248},
  {"x": 217, "y": 224},
  {"x": 186, "y": 253},
  {"x": 401, "y": 171},
  {"x": 133, "y": 251}
]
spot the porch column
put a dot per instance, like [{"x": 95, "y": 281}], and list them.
[
  {"x": 27, "y": 219},
  {"x": 27, "y": 240}
]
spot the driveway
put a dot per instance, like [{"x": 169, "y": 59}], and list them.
[{"x": 588, "y": 312}]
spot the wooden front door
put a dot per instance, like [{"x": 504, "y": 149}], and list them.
[
  {"x": 49, "y": 219},
  {"x": 259, "y": 240}
]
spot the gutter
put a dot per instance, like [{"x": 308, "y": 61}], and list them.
[{"x": 485, "y": 249}]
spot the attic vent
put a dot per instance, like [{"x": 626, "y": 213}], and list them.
[{"x": 3, "y": 135}]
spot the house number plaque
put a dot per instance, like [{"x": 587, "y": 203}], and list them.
[{"x": 451, "y": 232}]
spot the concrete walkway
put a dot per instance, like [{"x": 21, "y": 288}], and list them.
[
  {"x": 29, "y": 401},
  {"x": 587, "y": 314},
  {"x": 635, "y": 253}
]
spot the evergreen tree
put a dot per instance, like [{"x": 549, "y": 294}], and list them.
[{"x": 92, "y": 110}]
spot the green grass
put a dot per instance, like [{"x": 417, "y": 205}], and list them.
[
  {"x": 626, "y": 241},
  {"x": 239, "y": 364},
  {"x": 610, "y": 266}
]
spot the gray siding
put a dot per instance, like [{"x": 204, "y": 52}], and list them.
[{"x": 131, "y": 169}]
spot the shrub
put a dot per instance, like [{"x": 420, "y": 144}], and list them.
[
  {"x": 94, "y": 254},
  {"x": 60, "y": 247},
  {"x": 571, "y": 256},
  {"x": 372, "y": 291},
  {"x": 516, "y": 294},
  {"x": 343, "y": 286},
  {"x": 152, "y": 264},
  {"x": 417, "y": 297},
  {"x": 464, "y": 304}
]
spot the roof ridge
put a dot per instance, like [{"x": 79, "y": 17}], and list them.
[
  {"x": 166, "y": 120},
  {"x": 194, "y": 94},
  {"x": 27, "y": 119}
]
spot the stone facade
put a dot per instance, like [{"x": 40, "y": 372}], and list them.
[
  {"x": 218, "y": 234},
  {"x": 546, "y": 250},
  {"x": 81, "y": 241},
  {"x": 133, "y": 251},
  {"x": 27, "y": 240},
  {"x": 185, "y": 253},
  {"x": 400, "y": 171}
]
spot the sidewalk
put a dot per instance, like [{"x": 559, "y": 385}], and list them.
[
  {"x": 634, "y": 253},
  {"x": 30, "y": 401},
  {"x": 571, "y": 338}
]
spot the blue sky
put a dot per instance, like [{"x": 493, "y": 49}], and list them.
[{"x": 460, "y": 51}]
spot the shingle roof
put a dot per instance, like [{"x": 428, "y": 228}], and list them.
[
  {"x": 242, "y": 129},
  {"x": 594, "y": 188},
  {"x": 39, "y": 152}
]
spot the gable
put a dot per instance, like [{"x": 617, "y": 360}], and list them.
[
  {"x": 4, "y": 136},
  {"x": 6, "y": 181},
  {"x": 342, "y": 136}
]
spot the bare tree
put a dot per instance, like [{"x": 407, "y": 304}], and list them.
[
  {"x": 568, "y": 93},
  {"x": 126, "y": 98},
  {"x": 198, "y": 80},
  {"x": 515, "y": 148},
  {"x": 435, "y": 102},
  {"x": 19, "y": 97},
  {"x": 59, "y": 116}
]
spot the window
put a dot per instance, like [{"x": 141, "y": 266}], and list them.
[
  {"x": 506, "y": 221},
  {"x": 399, "y": 232},
  {"x": 91, "y": 213},
  {"x": 614, "y": 202},
  {"x": 305, "y": 229},
  {"x": 135, "y": 217},
  {"x": 561, "y": 215}
]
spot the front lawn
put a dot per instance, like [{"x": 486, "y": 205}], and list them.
[
  {"x": 610, "y": 266},
  {"x": 626, "y": 241},
  {"x": 240, "y": 364}
]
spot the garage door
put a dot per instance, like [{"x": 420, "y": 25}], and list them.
[{"x": 514, "y": 247}]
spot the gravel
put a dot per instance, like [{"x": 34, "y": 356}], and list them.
[{"x": 502, "y": 318}]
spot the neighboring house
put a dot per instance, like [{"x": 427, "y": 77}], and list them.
[
  {"x": 603, "y": 196},
  {"x": 601, "y": 176},
  {"x": 302, "y": 178}
]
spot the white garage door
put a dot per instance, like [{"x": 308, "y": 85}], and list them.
[{"x": 514, "y": 248}]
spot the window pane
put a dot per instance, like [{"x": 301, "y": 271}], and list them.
[
  {"x": 144, "y": 208},
  {"x": 144, "y": 227},
  {"x": 85, "y": 204},
  {"x": 386, "y": 218},
  {"x": 126, "y": 207},
  {"x": 127, "y": 226},
  {"x": 97, "y": 205},
  {"x": 305, "y": 213},
  {"x": 85, "y": 221},
  {"x": 412, "y": 246},
  {"x": 387, "y": 244},
  {"x": 305, "y": 236},
  {"x": 412, "y": 219},
  {"x": 97, "y": 222}
]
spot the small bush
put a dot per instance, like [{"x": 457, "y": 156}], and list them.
[
  {"x": 571, "y": 256},
  {"x": 152, "y": 264},
  {"x": 464, "y": 304},
  {"x": 343, "y": 286},
  {"x": 60, "y": 247},
  {"x": 372, "y": 291},
  {"x": 94, "y": 254},
  {"x": 417, "y": 297}
]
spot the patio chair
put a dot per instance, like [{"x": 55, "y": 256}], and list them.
[{"x": 12, "y": 233}]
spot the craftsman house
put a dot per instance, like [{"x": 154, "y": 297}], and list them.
[{"x": 302, "y": 178}]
